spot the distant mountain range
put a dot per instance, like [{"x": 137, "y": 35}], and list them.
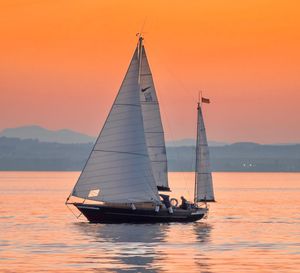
[
  {"x": 188, "y": 142},
  {"x": 33, "y": 155},
  {"x": 67, "y": 136},
  {"x": 36, "y": 148},
  {"x": 44, "y": 135}
]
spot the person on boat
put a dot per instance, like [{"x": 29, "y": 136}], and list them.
[
  {"x": 166, "y": 202},
  {"x": 184, "y": 203}
]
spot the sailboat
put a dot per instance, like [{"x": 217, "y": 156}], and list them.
[{"x": 126, "y": 176}]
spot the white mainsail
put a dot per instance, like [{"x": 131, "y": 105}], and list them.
[
  {"x": 119, "y": 169},
  {"x": 152, "y": 124},
  {"x": 204, "y": 186}
]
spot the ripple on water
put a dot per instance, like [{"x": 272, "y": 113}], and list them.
[{"x": 248, "y": 230}]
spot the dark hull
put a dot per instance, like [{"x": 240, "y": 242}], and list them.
[{"x": 105, "y": 214}]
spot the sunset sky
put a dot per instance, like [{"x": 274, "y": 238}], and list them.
[{"x": 62, "y": 62}]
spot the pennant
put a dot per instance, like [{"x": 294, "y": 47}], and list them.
[{"x": 205, "y": 100}]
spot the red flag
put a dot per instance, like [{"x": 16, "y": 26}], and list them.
[{"x": 205, "y": 100}]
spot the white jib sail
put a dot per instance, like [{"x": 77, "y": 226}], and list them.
[
  {"x": 119, "y": 169},
  {"x": 204, "y": 185},
  {"x": 152, "y": 124}
]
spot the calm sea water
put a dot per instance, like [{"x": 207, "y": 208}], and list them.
[{"x": 254, "y": 227}]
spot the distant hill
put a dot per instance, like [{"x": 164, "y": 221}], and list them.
[
  {"x": 33, "y": 155},
  {"x": 44, "y": 135},
  {"x": 240, "y": 157},
  {"x": 186, "y": 142},
  {"x": 67, "y": 136}
]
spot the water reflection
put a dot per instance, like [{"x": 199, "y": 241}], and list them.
[
  {"x": 202, "y": 231},
  {"x": 255, "y": 231},
  {"x": 146, "y": 248},
  {"x": 203, "y": 238}
]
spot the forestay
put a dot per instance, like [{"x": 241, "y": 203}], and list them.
[
  {"x": 204, "y": 185},
  {"x": 152, "y": 124},
  {"x": 119, "y": 169}
]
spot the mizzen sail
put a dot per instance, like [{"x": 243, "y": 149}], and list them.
[
  {"x": 119, "y": 169},
  {"x": 204, "y": 185}
]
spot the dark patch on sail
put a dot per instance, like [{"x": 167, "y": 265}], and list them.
[
  {"x": 148, "y": 96},
  {"x": 146, "y": 88}
]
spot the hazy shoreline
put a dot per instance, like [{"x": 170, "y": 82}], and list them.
[{"x": 33, "y": 155}]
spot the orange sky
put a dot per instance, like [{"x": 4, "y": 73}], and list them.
[{"x": 62, "y": 62}]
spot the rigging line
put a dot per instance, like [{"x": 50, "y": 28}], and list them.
[
  {"x": 67, "y": 204},
  {"x": 177, "y": 153},
  {"x": 172, "y": 136},
  {"x": 143, "y": 25},
  {"x": 172, "y": 74},
  {"x": 166, "y": 117},
  {"x": 173, "y": 139}
]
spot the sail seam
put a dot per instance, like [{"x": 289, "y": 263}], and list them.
[
  {"x": 120, "y": 148},
  {"x": 109, "y": 174},
  {"x": 127, "y": 104},
  {"x": 111, "y": 161},
  {"x": 159, "y": 160},
  {"x": 147, "y": 102},
  {"x": 105, "y": 188},
  {"x": 109, "y": 151},
  {"x": 121, "y": 193},
  {"x": 94, "y": 174},
  {"x": 158, "y": 146}
]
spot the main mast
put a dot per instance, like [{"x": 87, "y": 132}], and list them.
[{"x": 140, "y": 54}]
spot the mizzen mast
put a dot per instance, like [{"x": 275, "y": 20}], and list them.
[{"x": 203, "y": 179}]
